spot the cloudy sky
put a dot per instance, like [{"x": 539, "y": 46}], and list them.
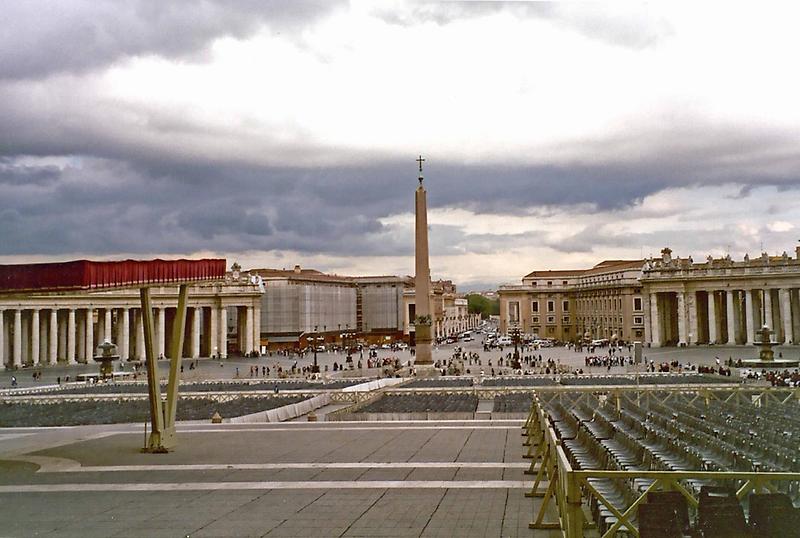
[{"x": 283, "y": 132}]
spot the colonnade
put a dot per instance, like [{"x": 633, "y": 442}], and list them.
[
  {"x": 41, "y": 335},
  {"x": 455, "y": 325},
  {"x": 729, "y": 316}
]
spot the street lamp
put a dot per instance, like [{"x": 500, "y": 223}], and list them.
[
  {"x": 515, "y": 337},
  {"x": 315, "y": 340}
]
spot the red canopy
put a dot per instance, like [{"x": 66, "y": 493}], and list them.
[{"x": 88, "y": 275}]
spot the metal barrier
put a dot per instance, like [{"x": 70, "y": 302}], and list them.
[{"x": 568, "y": 490}]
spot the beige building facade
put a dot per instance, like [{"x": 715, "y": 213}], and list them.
[
  {"x": 603, "y": 302},
  {"x": 721, "y": 301},
  {"x": 449, "y": 312}
]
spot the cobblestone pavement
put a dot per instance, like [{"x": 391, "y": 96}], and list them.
[
  {"x": 291, "y": 479},
  {"x": 227, "y": 369}
]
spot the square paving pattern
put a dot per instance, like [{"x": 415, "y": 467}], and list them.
[{"x": 428, "y": 478}]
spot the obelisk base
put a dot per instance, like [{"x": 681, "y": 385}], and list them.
[{"x": 422, "y": 350}]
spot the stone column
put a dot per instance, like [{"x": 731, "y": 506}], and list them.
[
  {"x": 2, "y": 340},
  {"x": 794, "y": 300},
  {"x": 43, "y": 344},
  {"x": 222, "y": 326},
  {"x": 648, "y": 319},
  {"x": 71, "y": 336},
  {"x": 16, "y": 350},
  {"x": 62, "y": 338},
  {"x": 682, "y": 321},
  {"x": 52, "y": 355},
  {"x": 712, "y": 318},
  {"x": 731, "y": 317},
  {"x": 107, "y": 325},
  {"x": 749, "y": 326},
  {"x": 101, "y": 323},
  {"x": 161, "y": 323},
  {"x": 124, "y": 344},
  {"x": 140, "y": 355},
  {"x": 655, "y": 320},
  {"x": 786, "y": 315},
  {"x": 768, "y": 309},
  {"x": 693, "y": 334},
  {"x": 213, "y": 328},
  {"x": 80, "y": 338},
  {"x": 35, "y": 336},
  {"x": 248, "y": 329},
  {"x": 257, "y": 326},
  {"x": 194, "y": 333},
  {"x": 89, "y": 335}
]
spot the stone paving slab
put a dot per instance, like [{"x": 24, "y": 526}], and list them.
[{"x": 414, "y": 475}]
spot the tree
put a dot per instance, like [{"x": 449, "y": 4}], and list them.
[{"x": 478, "y": 304}]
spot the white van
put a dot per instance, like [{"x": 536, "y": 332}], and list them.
[{"x": 504, "y": 341}]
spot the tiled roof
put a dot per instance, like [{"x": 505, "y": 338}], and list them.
[{"x": 602, "y": 267}]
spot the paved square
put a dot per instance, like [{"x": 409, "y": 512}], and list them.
[{"x": 291, "y": 479}]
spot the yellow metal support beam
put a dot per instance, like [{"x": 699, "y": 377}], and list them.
[{"x": 162, "y": 414}]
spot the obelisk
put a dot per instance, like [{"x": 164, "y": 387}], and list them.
[{"x": 422, "y": 279}]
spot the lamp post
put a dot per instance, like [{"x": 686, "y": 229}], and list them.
[
  {"x": 315, "y": 368},
  {"x": 515, "y": 336}
]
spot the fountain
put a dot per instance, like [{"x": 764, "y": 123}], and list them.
[
  {"x": 106, "y": 354},
  {"x": 766, "y": 357}
]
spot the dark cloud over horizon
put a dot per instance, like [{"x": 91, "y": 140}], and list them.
[
  {"x": 49, "y": 37},
  {"x": 134, "y": 164}
]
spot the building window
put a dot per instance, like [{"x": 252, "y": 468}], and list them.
[
  {"x": 551, "y": 319},
  {"x": 535, "y": 306},
  {"x": 535, "y": 319},
  {"x": 551, "y": 306},
  {"x": 638, "y": 320},
  {"x": 549, "y": 282},
  {"x": 565, "y": 319},
  {"x": 638, "y": 332},
  {"x": 513, "y": 311},
  {"x": 563, "y": 282},
  {"x": 565, "y": 306},
  {"x": 637, "y": 304}
]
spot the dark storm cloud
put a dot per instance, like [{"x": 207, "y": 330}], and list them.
[
  {"x": 21, "y": 174},
  {"x": 140, "y": 204},
  {"x": 41, "y": 37}
]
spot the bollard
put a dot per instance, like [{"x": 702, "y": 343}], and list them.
[
  {"x": 216, "y": 418},
  {"x": 312, "y": 416}
]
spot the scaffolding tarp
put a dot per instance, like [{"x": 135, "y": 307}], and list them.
[{"x": 91, "y": 275}]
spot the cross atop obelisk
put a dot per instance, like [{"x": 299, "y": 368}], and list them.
[{"x": 422, "y": 280}]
